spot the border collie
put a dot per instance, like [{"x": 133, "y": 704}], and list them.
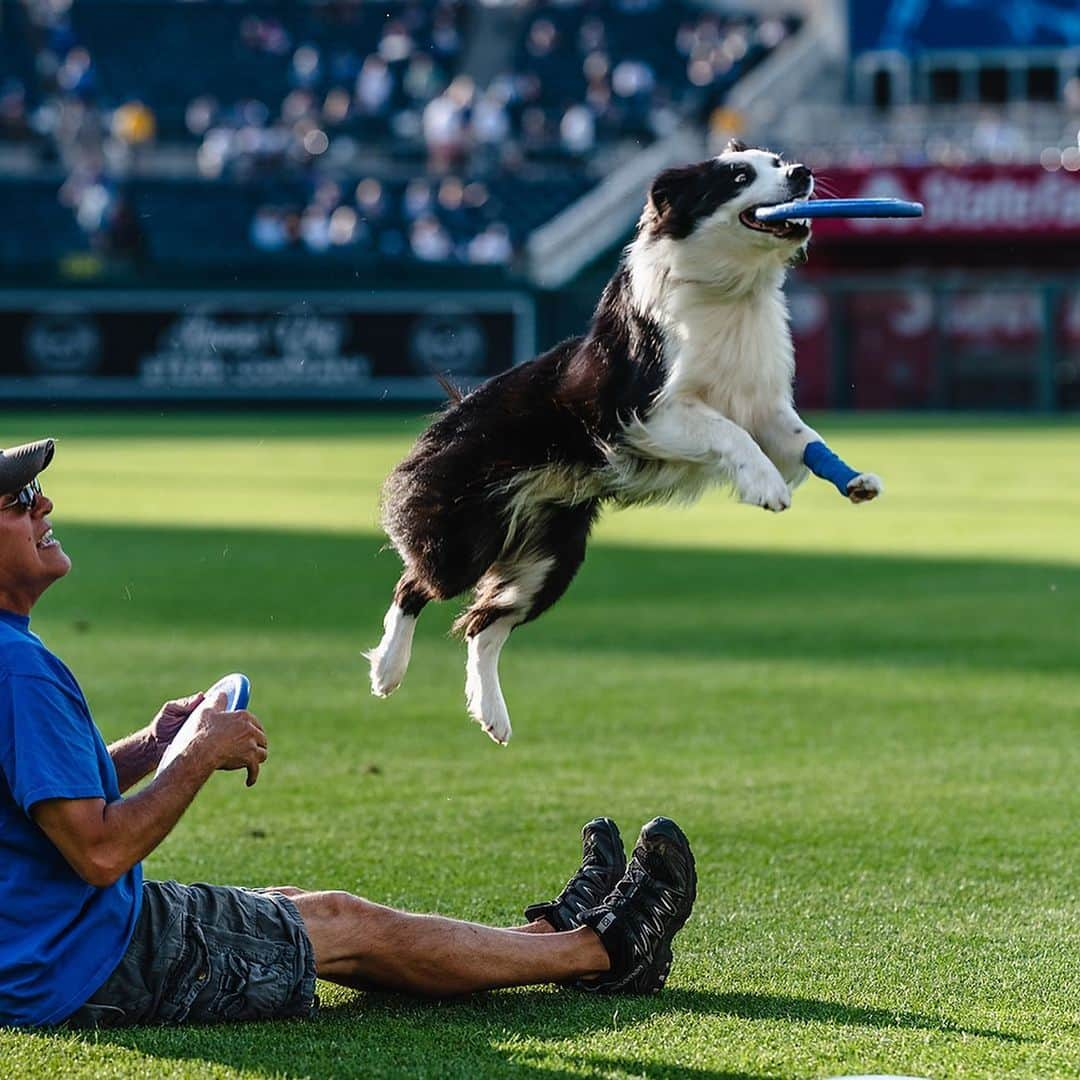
[{"x": 684, "y": 379}]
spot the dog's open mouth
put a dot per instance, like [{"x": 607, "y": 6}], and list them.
[{"x": 784, "y": 229}]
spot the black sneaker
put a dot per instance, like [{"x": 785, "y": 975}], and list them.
[
  {"x": 603, "y": 862},
  {"x": 644, "y": 911}
]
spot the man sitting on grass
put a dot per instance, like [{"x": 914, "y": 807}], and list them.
[{"x": 84, "y": 939}]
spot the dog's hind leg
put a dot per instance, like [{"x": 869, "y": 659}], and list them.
[
  {"x": 516, "y": 589},
  {"x": 483, "y": 692},
  {"x": 390, "y": 658},
  {"x": 503, "y": 598}
]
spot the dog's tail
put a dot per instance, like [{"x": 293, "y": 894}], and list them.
[{"x": 452, "y": 392}]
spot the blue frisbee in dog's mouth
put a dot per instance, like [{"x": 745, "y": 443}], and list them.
[
  {"x": 784, "y": 227},
  {"x": 839, "y": 208}
]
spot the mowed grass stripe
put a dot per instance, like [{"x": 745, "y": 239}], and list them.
[
  {"x": 1004, "y": 490},
  {"x": 868, "y": 729}
]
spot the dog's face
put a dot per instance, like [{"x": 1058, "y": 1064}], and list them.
[{"x": 709, "y": 207}]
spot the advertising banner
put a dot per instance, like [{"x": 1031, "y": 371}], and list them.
[
  {"x": 892, "y": 355},
  {"x": 324, "y": 346},
  {"x": 1067, "y": 374},
  {"x": 987, "y": 202},
  {"x": 812, "y": 338}
]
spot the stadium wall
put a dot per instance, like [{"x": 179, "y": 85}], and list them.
[{"x": 269, "y": 345}]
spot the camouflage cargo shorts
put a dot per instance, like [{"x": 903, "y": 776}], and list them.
[{"x": 205, "y": 954}]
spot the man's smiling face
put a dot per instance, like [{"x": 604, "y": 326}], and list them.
[{"x": 31, "y": 559}]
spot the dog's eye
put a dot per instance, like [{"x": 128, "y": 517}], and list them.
[{"x": 741, "y": 178}]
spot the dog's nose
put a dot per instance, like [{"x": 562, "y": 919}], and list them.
[{"x": 800, "y": 173}]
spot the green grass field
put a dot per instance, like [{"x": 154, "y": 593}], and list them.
[{"x": 867, "y": 719}]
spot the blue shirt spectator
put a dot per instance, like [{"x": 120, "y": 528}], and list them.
[{"x": 60, "y": 938}]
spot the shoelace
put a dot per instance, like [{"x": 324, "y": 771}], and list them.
[
  {"x": 587, "y": 887},
  {"x": 636, "y": 875},
  {"x": 664, "y": 898}
]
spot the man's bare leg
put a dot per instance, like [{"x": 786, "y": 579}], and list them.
[
  {"x": 357, "y": 942},
  {"x": 537, "y": 926}
]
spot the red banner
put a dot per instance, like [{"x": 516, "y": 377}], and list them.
[{"x": 986, "y": 201}]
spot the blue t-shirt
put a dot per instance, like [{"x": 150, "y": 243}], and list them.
[{"x": 60, "y": 938}]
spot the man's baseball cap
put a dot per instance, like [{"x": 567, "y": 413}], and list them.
[{"x": 20, "y": 464}]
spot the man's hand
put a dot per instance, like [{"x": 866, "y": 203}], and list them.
[
  {"x": 102, "y": 842},
  {"x": 171, "y": 717},
  {"x": 139, "y": 753},
  {"x": 228, "y": 740}
]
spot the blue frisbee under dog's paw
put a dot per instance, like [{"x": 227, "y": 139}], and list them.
[
  {"x": 839, "y": 208},
  {"x": 237, "y": 691}
]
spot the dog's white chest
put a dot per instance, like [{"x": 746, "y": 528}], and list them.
[{"x": 735, "y": 357}]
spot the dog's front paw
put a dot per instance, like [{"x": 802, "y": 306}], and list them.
[
  {"x": 761, "y": 484},
  {"x": 864, "y": 487}
]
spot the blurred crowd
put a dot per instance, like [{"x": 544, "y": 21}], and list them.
[
  {"x": 443, "y": 221},
  {"x": 340, "y": 95}
]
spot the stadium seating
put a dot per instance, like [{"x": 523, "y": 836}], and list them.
[
  {"x": 200, "y": 222},
  {"x": 217, "y": 130}
]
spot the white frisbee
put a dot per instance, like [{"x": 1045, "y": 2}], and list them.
[{"x": 237, "y": 691}]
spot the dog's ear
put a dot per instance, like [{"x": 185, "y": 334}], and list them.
[
  {"x": 672, "y": 199},
  {"x": 680, "y": 197},
  {"x": 665, "y": 190},
  {"x": 735, "y": 146}
]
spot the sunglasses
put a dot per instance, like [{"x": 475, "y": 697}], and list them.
[{"x": 26, "y": 497}]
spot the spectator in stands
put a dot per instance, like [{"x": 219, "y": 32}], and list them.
[
  {"x": 268, "y": 229},
  {"x": 76, "y": 75},
  {"x": 490, "y": 125},
  {"x": 345, "y": 229},
  {"x": 87, "y": 194},
  {"x": 542, "y": 39},
  {"x": 200, "y": 114},
  {"x": 417, "y": 199},
  {"x": 423, "y": 80},
  {"x": 336, "y": 107},
  {"x": 445, "y": 38},
  {"x": 372, "y": 203},
  {"x": 374, "y": 87},
  {"x": 396, "y": 44},
  {"x": 451, "y": 209},
  {"x": 535, "y": 133},
  {"x": 306, "y": 67},
  {"x": 429, "y": 241},
  {"x": 315, "y": 228},
  {"x": 445, "y": 125},
  {"x": 577, "y": 131},
  {"x": 633, "y": 82},
  {"x": 492, "y": 246},
  {"x": 133, "y": 128}
]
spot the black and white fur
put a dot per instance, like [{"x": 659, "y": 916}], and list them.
[{"x": 683, "y": 380}]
